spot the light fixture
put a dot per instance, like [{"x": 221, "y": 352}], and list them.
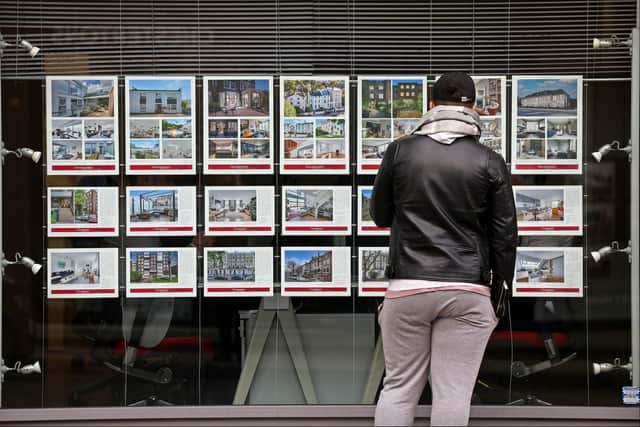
[
  {"x": 26, "y": 261},
  {"x": 33, "y": 50},
  {"x": 612, "y": 41},
  {"x": 21, "y": 152},
  {"x": 610, "y": 249},
  {"x": 33, "y": 368},
  {"x": 601, "y": 368},
  {"x": 607, "y": 148}
]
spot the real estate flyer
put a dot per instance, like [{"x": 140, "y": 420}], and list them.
[
  {"x": 82, "y": 211},
  {"x": 160, "y": 120},
  {"x": 238, "y": 124},
  {"x": 366, "y": 226},
  {"x": 315, "y": 271},
  {"x": 238, "y": 272},
  {"x": 239, "y": 211},
  {"x": 161, "y": 211},
  {"x": 491, "y": 97},
  {"x": 548, "y": 272},
  {"x": 82, "y": 125},
  {"x": 161, "y": 272},
  {"x": 316, "y": 210},
  {"x": 388, "y": 108},
  {"x": 372, "y": 263},
  {"x": 549, "y": 209},
  {"x": 314, "y": 125},
  {"x": 82, "y": 273},
  {"x": 546, "y": 133}
]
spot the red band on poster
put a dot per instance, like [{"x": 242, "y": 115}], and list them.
[
  {"x": 82, "y": 291},
  {"x": 82, "y": 230},
  {"x": 159, "y": 167},
  {"x": 544, "y": 166},
  {"x": 547, "y": 290},
  {"x": 549, "y": 228},
  {"x": 370, "y": 167},
  {"x": 316, "y": 289},
  {"x": 374, "y": 289},
  {"x": 180, "y": 228},
  {"x": 374, "y": 228},
  {"x": 158, "y": 290},
  {"x": 312, "y": 167},
  {"x": 256, "y": 228},
  {"x": 83, "y": 168},
  {"x": 317, "y": 228},
  {"x": 238, "y": 289},
  {"x": 239, "y": 166}
]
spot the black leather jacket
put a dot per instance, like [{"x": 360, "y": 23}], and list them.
[{"x": 451, "y": 211}]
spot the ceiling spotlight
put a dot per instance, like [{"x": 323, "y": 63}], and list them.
[
  {"x": 21, "y": 152},
  {"x": 26, "y": 261},
  {"x": 33, "y": 50},
  {"x": 608, "y": 250},
  {"x": 612, "y": 41},
  {"x": 607, "y": 148}
]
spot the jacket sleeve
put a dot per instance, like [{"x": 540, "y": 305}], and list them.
[
  {"x": 381, "y": 207},
  {"x": 503, "y": 230}
]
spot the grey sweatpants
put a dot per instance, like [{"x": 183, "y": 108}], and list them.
[{"x": 443, "y": 335}]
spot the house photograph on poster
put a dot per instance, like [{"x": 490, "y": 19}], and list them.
[
  {"x": 531, "y": 149},
  {"x": 153, "y": 206},
  {"x": 407, "y": 98},
  {"x": 298, "y": 148},
  {"x": 154, "y": 267},
  {"x": 176, "y": 149},
  {"x": 374, "y": 263},
  {"x": 330, "y": 149},
  {"x": 540, "y": 267},
  {"x": 562, "y": 148},
  {"x": 238, "y": 98},
  {"x": 145, "y": 148},
  {"x": 254, "y": 149},
  {"x": 223, "y": 148},
  {"x": 176, "y": 128},
  {"x": 74, "y": 207},
  {"x": 232, "y": 205},
  {"x": 66, "y": 150},
  {"x": 547, "y": 97},
  {"x": 376, "y": 129},
  {"x": 99, "y": 150},
  {"x": 539, "y": 204},
  {"x": 98, "y": 129},
  {"x": 309, "y": 205},
  {"x": 254, "y": 128},
  {"x": 159, "y": 97},
  {"x": 298, "y": 128},
  {"x": 223, "y": 128},
  {"x": 75, "y": 268},
  {"x": 144, "y": 128},
  {"x": 374, "y": 149},
  {"x": 314, "y": 98},
  {"x": 231, "y": 265},
  {"x": 308, "y": 265},
  {"x": 376, "y": 99},
  {"x": 82, "y": 98},
  {"x": 66, "y": 129},
  {"x": 365, "y": 197},
  {"x": 488, "y": 96}
]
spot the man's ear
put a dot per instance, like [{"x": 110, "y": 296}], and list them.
[{"x": 432, "y": 105}]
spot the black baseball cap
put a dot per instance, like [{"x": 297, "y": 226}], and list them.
[{"x": 455, "y": 86}]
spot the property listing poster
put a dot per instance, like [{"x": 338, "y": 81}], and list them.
[
  {"x": 238, "y": 125},
  {"x": 161, "y": 211},
  {"x": 160, "y": 120},
  {"x": 315, "y": 271},
  {"x": 548, "y": 272},
  {"x": 372, "y": 262},
  {"x": 490, "y": 105},
  {"x": 82, "y": 211},
  {"x": 82, "y": 125},
  {"x": 161, "y": 272},
  {"x": 314, "y": 125},
  {"x": 238, "y": 272},
  {"x": 388, "y": 108},
  {"x": 366, "y": 226},
  {"x": 239, "y": 211},
  {"x": 316, "y": 210},
  {"x": 549, "y": 209},
  {"x": 82, "y": 273},
  {"x": 546, "y": 129}
]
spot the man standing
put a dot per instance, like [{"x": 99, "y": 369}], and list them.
[{"x": 449, "y": 203}]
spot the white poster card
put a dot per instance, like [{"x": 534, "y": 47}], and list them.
[
  {"x": 160, "y": 121},
  {"x": 548, "y": 272},
  {"x": 546, "y": 131},
  {"x": 239, "y": 211},
  {"x": 82, "y": 273},
  {"x": 314, "y": 125},
  {"x": 82, "y": 125},
  {"x": 388, "y": 107},
  {"x": 491, "y": 99},
  {"x": 366, "y": 226},
  {"x": 316, "y": 210},
  {"x": 82, "y": 211},
  {"x": 372, "y": 262},
  {"x": 161, "y": 211},
  {"x": 238, "y": 125},
  {"x": 315, "y": 271},
  {"x": 238, "y": 272},
  {"x": 161, "y": 272},
  {"x": 549, "y": 209}
]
